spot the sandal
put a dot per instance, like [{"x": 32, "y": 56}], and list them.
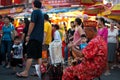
[
  {"x": 34, "y": 74},
  {"x": 20, "y": 75}
]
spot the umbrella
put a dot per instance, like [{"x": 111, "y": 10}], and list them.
[
  {"x": 114, "y": 17},
  {"x": 113, "y": 13},
  {"x": 95, "y": 9},
  {"x": 116, "y": 9}
]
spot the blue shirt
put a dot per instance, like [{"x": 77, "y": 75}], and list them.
[
  {"x": 7, "y": 32},
  {"x": 83, "y": 45},
  {"x": 38, "y": 31}
]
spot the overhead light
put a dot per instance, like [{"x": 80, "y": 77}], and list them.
[
  {"x": 13, "y": 1},
  {"x": 75, "y": 5}
]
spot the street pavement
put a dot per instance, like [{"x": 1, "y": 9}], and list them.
[{"x": 5, "y": 74}]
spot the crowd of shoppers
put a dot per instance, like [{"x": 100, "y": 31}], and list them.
[{"x": 95, "y": 49}]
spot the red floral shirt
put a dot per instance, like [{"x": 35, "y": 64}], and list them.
[{"x": 93, "y": 64}]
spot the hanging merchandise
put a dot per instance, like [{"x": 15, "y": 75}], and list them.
[
  {"x": 18, "y": 1},
  {"x": 6, "y": 2}
]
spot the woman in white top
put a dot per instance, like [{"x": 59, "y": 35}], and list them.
[
  {"x": 57, "y": 33},
  {"x": 112, "y": 44}
]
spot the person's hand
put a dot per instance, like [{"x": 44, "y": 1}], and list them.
[
  {"x": 43, "y": 43},
  {"x": 27, "y": 38},
  {"x": 70, "y": 45}
]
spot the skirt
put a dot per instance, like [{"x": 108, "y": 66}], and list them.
[{"x": 112, "y": 51}]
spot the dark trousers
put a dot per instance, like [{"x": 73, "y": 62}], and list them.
[{"x": 6, "y": 50}]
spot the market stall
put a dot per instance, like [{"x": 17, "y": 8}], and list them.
[
  {"x": 113, "y": 13},
  {"x": 95, "y": 9}
]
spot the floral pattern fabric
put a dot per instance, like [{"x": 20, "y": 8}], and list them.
[{"x": 93, "y": 64}]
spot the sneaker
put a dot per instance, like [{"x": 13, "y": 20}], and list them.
[
  {"x": 20, "y": 65},
  {"x": 112, "y": 67},
  {"x": 4, "y": 65},
  {"x": 107, "y": 73},
  {"x": 8, "y": 66}
]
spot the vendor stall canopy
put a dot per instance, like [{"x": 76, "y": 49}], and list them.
[
  {"x": 113, "y": 13},
  {"x": 61, "y": 10}
]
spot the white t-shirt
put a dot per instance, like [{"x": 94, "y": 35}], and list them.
[
  {"x": 18, "y": 51},
  {"x": 57, "y": 35},
  {"x": 112, "y": 36}
]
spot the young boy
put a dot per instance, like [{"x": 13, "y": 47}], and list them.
[
  {"x": 83, "y": 41},
  {"x": 80, "y": 47},
  {"x": 17, "y": 53}
]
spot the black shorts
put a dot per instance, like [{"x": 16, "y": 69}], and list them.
[
  {"x": 34, "y": 49},
  {"x": 14, "y": 62}
]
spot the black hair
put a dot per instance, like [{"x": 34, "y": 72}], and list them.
[
  {"x": 16, "y": 37},
  {"x": 83, "y": 35},
  {"x": 37, "y": 4},
  {"x": 46, "y": 17},
  {"x": 56, "y": 26},
  {"x": 27, "y": 22},
  {"x": 102, "y": 20},
  {"x": 79, "y": 22},
  {"x": 72, "y": 22},
  {"x": 119, "y": 23},
  {"x": 8, "y": 17},
  {"x": 21, "y": 20},
  {"x": 96, "y": 18},
  {"x": 11, "y": 19},
  {"x": 0, "y": 16}
]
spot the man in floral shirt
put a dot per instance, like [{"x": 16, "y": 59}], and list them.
[{"x": 94, "y": 58}]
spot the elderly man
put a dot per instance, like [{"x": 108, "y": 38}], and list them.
[{"x": 94, "y": 58}]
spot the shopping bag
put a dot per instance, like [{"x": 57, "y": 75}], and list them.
[
  {"x": 37, "y": 68},
  {"x": 44, "y": 54},
  {"x": 55, "y": 50}
]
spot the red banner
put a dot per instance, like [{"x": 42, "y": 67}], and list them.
[
  {"x": 18, "y": 1},
  {"x": 90, "y": 23}
]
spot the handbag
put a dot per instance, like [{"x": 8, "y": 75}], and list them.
[
  {"x": 45, "y": 51},
  {"x": 44, "y": 54}
]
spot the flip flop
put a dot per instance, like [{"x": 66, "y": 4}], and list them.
[
  {"x": 34, "y": 74},
  {"x": 21, "y": 75}
]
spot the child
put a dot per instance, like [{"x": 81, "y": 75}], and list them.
[
  {"x": 57, "y": 35},
  {"x": 83, "y": 41},
  {"x": 17, "y": 53},
  {"x": 80, "y": 47}
]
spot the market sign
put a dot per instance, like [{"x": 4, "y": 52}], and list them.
[
  {"x": 60, "y": 3},
  {"x": 64, "y": 3},
  {"x": 90, "y": 23},
  {"x": 90, "y": 2},
  {"x": 11, "y": 11}
]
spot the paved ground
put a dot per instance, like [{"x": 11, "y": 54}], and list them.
[{"x": 5, "y": 74}]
